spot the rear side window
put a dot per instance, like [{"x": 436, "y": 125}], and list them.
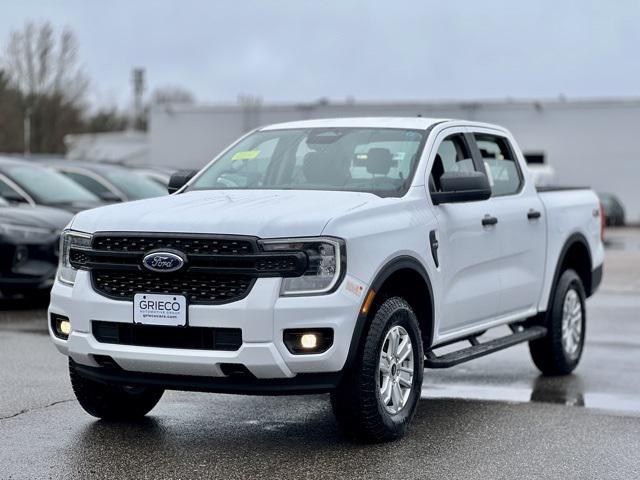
[
  {"x": 500, "y": 163},
  {"x": 89, "y": 183}
]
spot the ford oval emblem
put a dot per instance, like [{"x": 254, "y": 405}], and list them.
[{"x": 163, "y": 262}]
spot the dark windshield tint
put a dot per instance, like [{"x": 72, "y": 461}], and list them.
[
  {"x": 49, "y": 187},
  {"x": 375, "y": 160}
]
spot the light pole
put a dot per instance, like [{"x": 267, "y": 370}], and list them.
[
  {"x": 138, "y": 90},
  {"x": 27, "y": 132}
]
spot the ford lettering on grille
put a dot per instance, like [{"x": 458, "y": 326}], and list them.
[{"x": 163, "y": 262}]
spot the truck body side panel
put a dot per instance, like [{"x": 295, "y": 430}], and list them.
[{"x": 570, "y": 213}]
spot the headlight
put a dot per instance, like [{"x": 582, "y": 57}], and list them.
[
  {"x": 327, "y": 264},
  {"x": 68, "y": 239},
  {"x": 24, "y": 233}
]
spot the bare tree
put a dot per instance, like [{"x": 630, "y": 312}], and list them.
[
  {"x": 11, "y": 110},
  {"x": 43, "y": 68},
  {"x": 171, "y": 94},
  {"x": 39, "y": 63}
]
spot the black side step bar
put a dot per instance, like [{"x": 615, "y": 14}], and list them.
[{"x": 477, "y": 350}]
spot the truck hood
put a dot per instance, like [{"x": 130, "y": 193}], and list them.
[{"x": 261, "y": 213}]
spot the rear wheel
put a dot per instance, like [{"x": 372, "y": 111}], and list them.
[
  {"x": 113, "y": 402},
  {"x": 379, "y": 396},
  {"x": 559, "y": 352}
]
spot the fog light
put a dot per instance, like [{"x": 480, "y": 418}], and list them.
[
  {"x": 65, "y": 327},
  {"x": 302, "y": 341},
  {"x": 20, "y": 256},
  {"x": 61, "y": 326},
  {"x": 309, "y": 340}
]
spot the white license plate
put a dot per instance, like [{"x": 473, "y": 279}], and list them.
[{"x": 156, "y": 309}]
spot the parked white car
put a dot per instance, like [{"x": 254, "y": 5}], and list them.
[{"x": 327, "y": 256}]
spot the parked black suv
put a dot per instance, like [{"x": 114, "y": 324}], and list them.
[{"x": 29, "y": 243}]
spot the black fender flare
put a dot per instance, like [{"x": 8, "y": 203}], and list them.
[
  {"x": 570, "y": 242},
  {"x": 397, "y": 263}
]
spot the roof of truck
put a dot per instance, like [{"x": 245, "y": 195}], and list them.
[
  {"x": 413, "y": 123},
  {"x": 417, "y": 123}
]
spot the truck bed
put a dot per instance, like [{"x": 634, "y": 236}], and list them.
[{"x": 570, "y": 212}]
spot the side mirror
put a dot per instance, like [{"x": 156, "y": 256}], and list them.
[
  {"x": 180, "y": 179},
  {"x": 459, "y": 187}
]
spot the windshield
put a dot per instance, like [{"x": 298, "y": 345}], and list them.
[
  {"x": 49, "y": 187},
  {"x": 134, "y": 185},
  {"x": 376, "y": 160}
]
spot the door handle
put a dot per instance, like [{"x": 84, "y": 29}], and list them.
[
  {"x": 489, "y": 220},
  {"x": 533, "y": 214}
]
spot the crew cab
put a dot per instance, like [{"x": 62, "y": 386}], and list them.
[{"x": 333, "y": 256}]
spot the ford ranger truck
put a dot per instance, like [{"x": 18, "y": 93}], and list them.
[{"x": 331, "y": 256}]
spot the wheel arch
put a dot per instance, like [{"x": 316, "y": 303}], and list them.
[
  {"x": 575, "y": 254},
  {"x": 384, "y": 285}
]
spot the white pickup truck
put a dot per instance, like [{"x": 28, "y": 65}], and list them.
[{"x": 329, "y": 256}]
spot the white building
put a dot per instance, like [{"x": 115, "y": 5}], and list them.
[
  {"x": 128, "y": 147},
  {"x": 587, "y": 142}
]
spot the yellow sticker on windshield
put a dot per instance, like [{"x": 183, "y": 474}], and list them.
[{"x": 245, "y": 155}]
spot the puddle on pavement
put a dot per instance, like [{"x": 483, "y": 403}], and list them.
[{"x": 543, "y": 391}]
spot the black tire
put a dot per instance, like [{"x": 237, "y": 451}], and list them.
[
  {"x": 549, "y": 353},
  {"x": 113, "y": 402},
  {"x": 357, "y": 403}
]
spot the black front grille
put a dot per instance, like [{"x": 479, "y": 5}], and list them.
[
  {"x": 218, "y": 268},
  {"x": 197, "y": 338},
  {"x": 201, "y": 245},
  {"x": 197, "y": 287}
]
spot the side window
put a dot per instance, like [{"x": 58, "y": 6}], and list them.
[
  {"x": 89, "y": 183},
  {"x": 453, "y": 156},
  {"x": 9, "y": 194},
  {"x": 502, "y": 167}
]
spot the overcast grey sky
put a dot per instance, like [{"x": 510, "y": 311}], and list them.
[{"x": 301, "y": 50}]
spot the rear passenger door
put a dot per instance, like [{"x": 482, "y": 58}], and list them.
[
  {"x": 468, "y": 252},
  {"x": 521, "y": 227}
]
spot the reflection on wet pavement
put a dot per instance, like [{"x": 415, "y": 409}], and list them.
[
  {"x": 622, "y": 239},
  {"x": 568, "y": 390}
]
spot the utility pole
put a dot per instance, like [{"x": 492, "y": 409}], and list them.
[
  {"x": 27, "y": 132},
  {"x": 138, "y": 90},
  {"x": 250, "y": 105}
]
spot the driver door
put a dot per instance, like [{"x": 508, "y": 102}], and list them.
[{"x": 469, "y": 252}]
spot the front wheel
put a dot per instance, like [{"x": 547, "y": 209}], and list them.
[
  {"x": 559, "y": 352},
  {"x": 379, "y": 395},
  {"x": 113, "y": 402}
]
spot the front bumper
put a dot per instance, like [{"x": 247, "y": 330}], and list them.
[
  {"x": 27, "y": 266},
  {"x": 303, "y": 383},
  {"x": 262, "y": 316}
]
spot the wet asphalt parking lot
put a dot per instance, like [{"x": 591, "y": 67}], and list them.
[{"x": 495, "y": 417}]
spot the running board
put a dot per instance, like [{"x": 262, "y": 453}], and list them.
[{"x": 477, "y": 350}]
